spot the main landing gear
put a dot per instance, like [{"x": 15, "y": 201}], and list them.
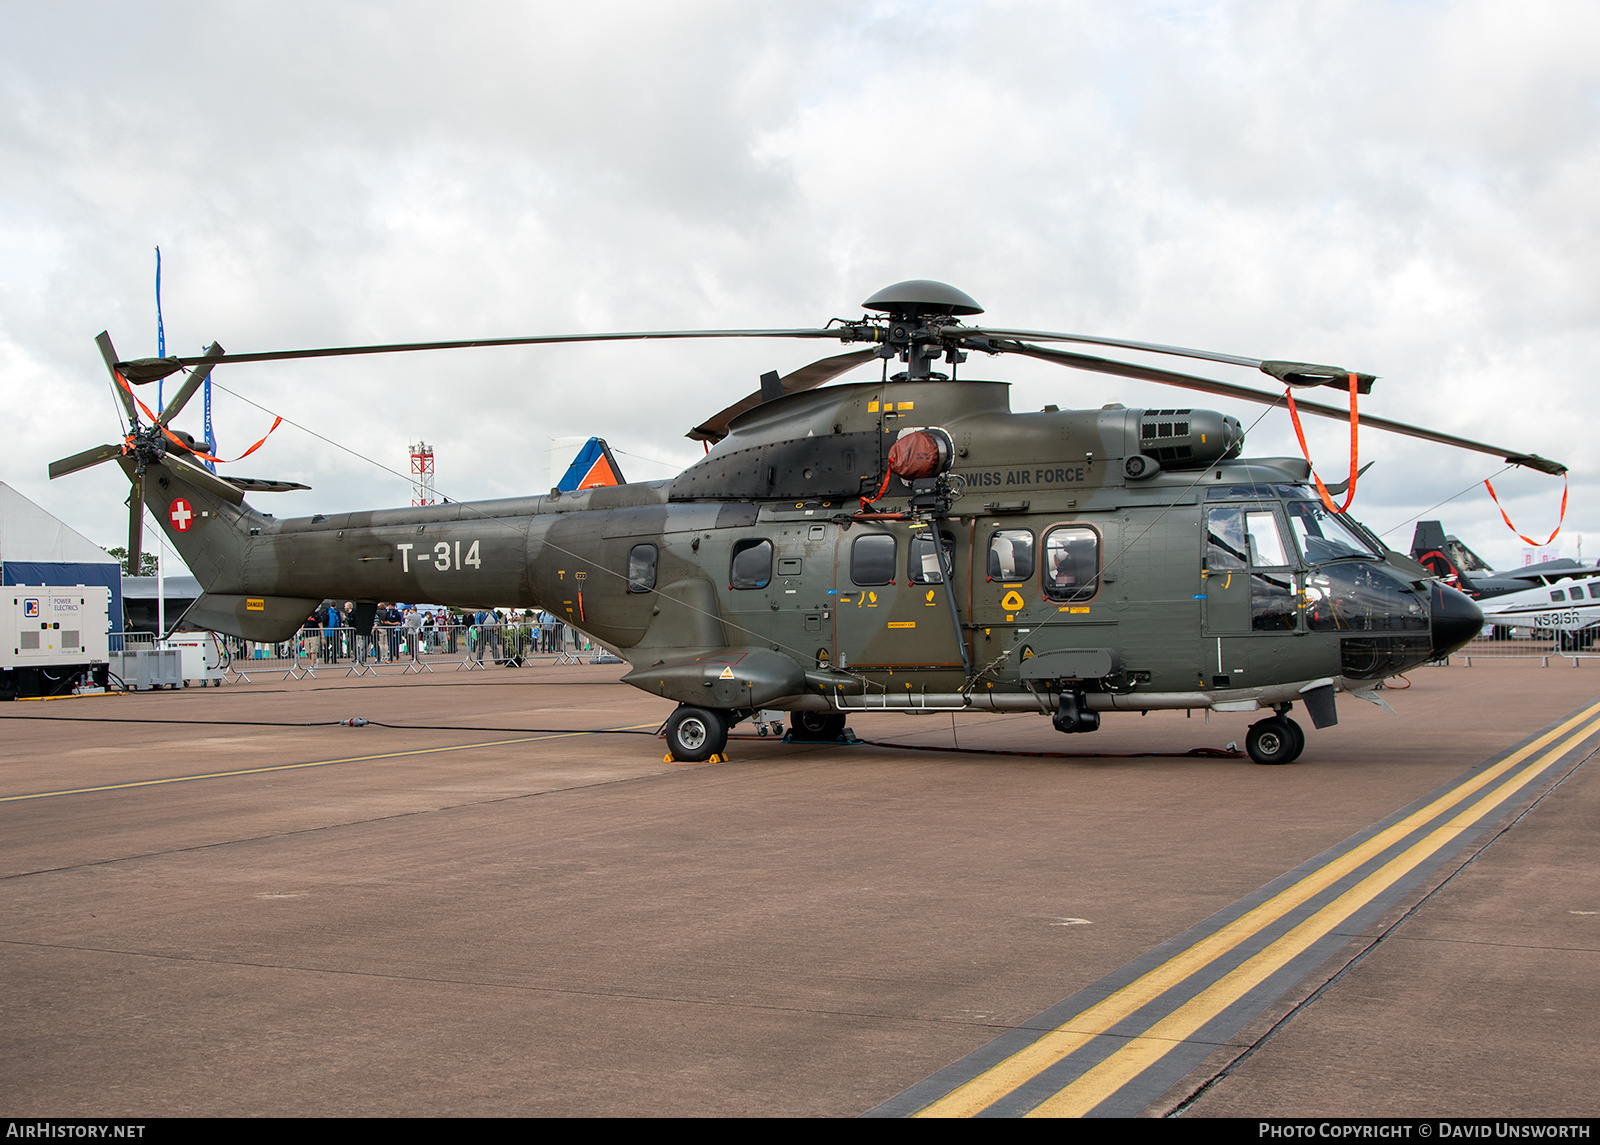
[
  {"x": 1277, "y": 739},
  {"x": 816, "y": 727}
]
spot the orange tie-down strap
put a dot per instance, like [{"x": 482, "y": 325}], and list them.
[
  {"x": 1529, "y": 540},
  {"x": 1355, "y": 453},
  {"x": 178, "y": 441}
]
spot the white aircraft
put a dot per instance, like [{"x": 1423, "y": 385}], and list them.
[{"x": 1570, "y": 608}]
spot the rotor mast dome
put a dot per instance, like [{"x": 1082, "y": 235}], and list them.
[{"x": 922, "y": 297}]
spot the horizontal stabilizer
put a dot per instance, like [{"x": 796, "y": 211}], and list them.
[{"x": 262, "y": 485}]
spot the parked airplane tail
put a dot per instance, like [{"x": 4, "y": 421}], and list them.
[
  {"x": 1446, "y": 557},
  {"x": 593, "y": 467}
]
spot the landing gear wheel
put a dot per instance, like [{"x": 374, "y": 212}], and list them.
[
  {"x": 817, "y": 726},
  {"x": 1299, "y": 738},
  {"x": 1275, "y": 740},
  {"x": 694, "y": 735}
]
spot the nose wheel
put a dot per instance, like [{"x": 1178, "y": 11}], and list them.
[{"x": 1275, "y": 740}]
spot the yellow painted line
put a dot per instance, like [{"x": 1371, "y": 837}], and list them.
[
  {"x": 69, "y": 696},
  {"x": 1105, "y": 1078},
  {"x": 313, "y": 763},
  {"x": 1003, "y": 1077}
]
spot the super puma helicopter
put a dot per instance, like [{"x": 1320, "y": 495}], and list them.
[{"x": 908, "y": 544}]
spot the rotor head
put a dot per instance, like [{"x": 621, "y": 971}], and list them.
[{"x": 918, "y": 298}]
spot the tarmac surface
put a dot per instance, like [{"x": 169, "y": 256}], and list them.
[{"x": 216, "y": 902}]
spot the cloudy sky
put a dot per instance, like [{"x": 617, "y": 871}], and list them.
[{"x": 1409, "y": 189}]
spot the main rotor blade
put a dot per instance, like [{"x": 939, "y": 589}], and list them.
[
  {"x": 808, "y": 377},
  {"x": 135, "y": 524},
  {"x": 1293, "y": 373},
  {"x": 1224, "y": 389},
  {"x": 204, "y": 479},
  {"x": 109, "y": 353},
  {"x": 84, "y": 460},
  {"x": 192, "y": 383},
  {"x": 143, "y": 370}
]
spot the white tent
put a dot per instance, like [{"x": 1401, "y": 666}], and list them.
[{"x": 37, "y": 547}]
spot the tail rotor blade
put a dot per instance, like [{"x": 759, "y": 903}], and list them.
[
  {"x": 84, "y": 460},
  {"x": 200, "y": 373},
  {"x": 109, "y": 353},
  {"x": 136, "y": 524}
]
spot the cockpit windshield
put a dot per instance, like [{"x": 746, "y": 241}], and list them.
[{"x": 1325, "y": 536}]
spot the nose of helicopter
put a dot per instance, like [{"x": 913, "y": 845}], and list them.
[{"x": 1456, "y": 619}]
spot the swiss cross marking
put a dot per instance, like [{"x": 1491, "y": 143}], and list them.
[{"x": 182, "y": 514}]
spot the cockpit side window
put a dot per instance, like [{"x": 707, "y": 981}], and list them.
[
  {"x": 1266, "y": 543},
  {"x": 1227, "y": 547}
]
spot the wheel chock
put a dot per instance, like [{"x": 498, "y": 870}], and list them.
[{"x": 670, "y": 758}]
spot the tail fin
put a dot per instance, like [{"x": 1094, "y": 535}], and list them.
[
  {"x": 212, "y": 535},
  {"x": 593, "y": 467},
  {"x": 1431, "y": 549}
]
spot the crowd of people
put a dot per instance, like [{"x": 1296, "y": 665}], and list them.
[{"x": 336, "y": 632}]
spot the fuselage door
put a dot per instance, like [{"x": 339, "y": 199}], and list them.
[
  {"x": 893, "y": 612},
  {"x": 1251, "y": 590}
]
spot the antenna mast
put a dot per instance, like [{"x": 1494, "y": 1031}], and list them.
[{"x": 422, "y": 487}]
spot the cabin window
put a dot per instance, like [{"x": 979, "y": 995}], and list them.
[
  {"x": 1071, "y": 563},
  {"x": 642, "y": 568},
  {"x": 872, "y": 559},
  {"x": 1557, "y": 594},
  {"x": 922, "y": 563},
  {"x": 1011, "y": 555},
  {"x": 1594, "y": 590},
  {"x": 752, "y": 564}
]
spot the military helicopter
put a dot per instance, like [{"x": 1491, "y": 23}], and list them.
[{"x": 904, "y": 544}]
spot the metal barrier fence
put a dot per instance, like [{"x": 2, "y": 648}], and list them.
[
  {"x": 131, "y": 641},
  {"x": 395, "y": 650},
  {"x": 1502, "y": 643}
]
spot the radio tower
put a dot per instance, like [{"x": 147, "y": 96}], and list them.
[{"x": 422, "y": 490}]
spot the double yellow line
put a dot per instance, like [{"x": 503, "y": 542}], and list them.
[{"x": 1143, "y": 1050}]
